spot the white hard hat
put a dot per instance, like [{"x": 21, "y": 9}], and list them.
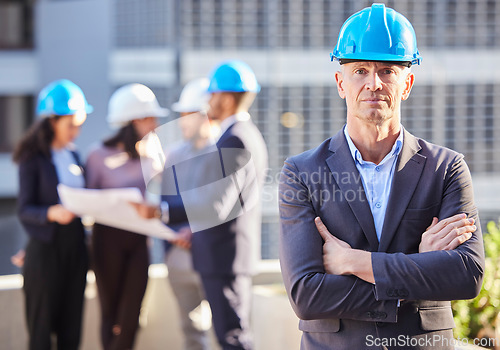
[
  {"x": 194, "y": 97},
  {"x": 133, "y": 101}
]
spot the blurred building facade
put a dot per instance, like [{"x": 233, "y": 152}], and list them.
[{"x": 103, "y": 44}]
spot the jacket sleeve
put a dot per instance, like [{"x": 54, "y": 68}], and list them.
[
  {"x": 30, "y": 211},
  {"x": 440, "y": 275},
  {"x": 313, "y": 293}
]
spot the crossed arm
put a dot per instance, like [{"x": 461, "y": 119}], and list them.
[{"x": 340, "y": 259}]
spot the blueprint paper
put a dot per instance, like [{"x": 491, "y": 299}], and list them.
[{"x": 111, "y": 207}]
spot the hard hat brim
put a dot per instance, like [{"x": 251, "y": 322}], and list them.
[
  {"x": 376, "y": 57},
  {"x": 254, "y": 89},
  {"x": 161, "y": 112},
  {"x": 117, "y": 123},
  {"x": 180, "y": 108},
  {"x": 401, "y": 63}
]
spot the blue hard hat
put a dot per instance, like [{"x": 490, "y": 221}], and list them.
[
  {"x": 377, "y": 33},
  {"x": 61, "y": 97},
  {"x": 233, "y": 76}
]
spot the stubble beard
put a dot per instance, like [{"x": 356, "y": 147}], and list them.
[{"x": 376, "y": 117}]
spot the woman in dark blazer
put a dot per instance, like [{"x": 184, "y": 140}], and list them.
[{"x": 56, "y": 259}]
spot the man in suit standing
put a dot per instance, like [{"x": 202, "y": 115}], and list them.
[
  {"x": 223, "y": 208},
  {"x": 184, "y": 280},
  {"x": 377, "y": 226}
]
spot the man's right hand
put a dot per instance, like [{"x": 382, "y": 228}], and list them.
[
  {"x": 447, "y": 234},
  {"x": 183, "y": 238},
  {"x": 145, "y": 210}
]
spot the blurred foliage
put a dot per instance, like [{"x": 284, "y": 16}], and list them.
[{"x": 478, "y": 317}]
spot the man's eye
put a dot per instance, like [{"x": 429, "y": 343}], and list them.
[
  {"x": 388, "y": 71},
  {"x": 359, "y": 71}
]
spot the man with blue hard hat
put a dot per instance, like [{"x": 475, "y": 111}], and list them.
[
  {"x": 224, "y": 212},
  {"x": 373, "y": 250},
  {"x": 225, "y": 255}
]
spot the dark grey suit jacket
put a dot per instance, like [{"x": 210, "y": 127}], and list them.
[{"x": 340, "y": 312}]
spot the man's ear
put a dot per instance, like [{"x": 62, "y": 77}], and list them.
[
  {"x": 340, "y": 81},
  {"x": 410, "y": 79}
]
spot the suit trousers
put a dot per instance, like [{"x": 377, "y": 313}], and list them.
[
  {"x": 230, "y": 298},
  {"x": 120, "y": 262},
  {"x": 188, "y": 290},
  {"x": 54, "y": 284}
]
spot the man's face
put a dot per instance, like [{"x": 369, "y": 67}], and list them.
[
  {"x": 215, "y": 106},
  {"x": 374, "y": 90}
]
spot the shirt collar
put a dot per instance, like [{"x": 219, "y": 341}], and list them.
[
  {"x": 356, "y": 155},
  {"x": 238, "y": 117}
]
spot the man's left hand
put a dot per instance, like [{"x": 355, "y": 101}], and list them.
[{"x": 340, "y": 259}]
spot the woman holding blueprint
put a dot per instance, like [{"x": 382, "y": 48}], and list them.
[
  {"x": 120, "y": 257},
  {"x": 55, "y": 264}
]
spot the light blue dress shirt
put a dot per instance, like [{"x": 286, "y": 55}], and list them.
[
  {"x": 377, "y": 178},
  {"x": 68, "y": 171}
]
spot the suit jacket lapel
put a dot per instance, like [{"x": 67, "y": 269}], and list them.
[
  {"x": 406, "y": 176},
  {"x": 226, "y": 134},
  {"x": 349, "y": 181}
]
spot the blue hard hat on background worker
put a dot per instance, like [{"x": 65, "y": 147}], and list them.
[
  {"x": 377, "y": 33},
  {"x": 62, "y": 97},
  {"x": 233, "y": 76}
]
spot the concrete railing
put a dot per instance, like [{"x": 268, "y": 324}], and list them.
[{"x": 274, "y": 324}]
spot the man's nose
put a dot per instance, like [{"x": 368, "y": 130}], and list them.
[{"x": 374, "y": 82}]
